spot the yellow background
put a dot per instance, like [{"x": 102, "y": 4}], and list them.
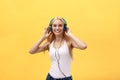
[{"x": 97, "y": 22}]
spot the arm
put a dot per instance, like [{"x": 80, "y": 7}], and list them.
[
  {"x": 37, "y": 47},
  {"x": 76, "y": 43}
]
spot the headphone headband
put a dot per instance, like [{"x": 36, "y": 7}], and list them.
[{"x": 65, "y": 23}]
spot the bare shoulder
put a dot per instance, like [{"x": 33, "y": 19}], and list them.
[
  {"x": 47, "y": 43},
  {"x": 69, "y": 43}
]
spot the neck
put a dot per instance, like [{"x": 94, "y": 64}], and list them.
[{"x": 58, "y": 38}]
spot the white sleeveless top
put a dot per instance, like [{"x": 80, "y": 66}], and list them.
[{"x": 64, "y": 60}]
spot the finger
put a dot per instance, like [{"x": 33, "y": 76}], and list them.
[
  {"x": 49, "y": 32},
  {"x": 48, "y": 27},
  {"x": 68, "y": 28},
  {"x": 45, "y": 28},
  {"x": 65, "y": 33}
]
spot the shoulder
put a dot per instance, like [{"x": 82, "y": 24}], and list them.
[
  {"x": 70, "y": 47},
  {"x": 48, "y": 44},
  {"x": 69, "y": 43}
]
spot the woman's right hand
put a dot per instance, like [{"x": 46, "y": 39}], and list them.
[{"x": 46, "y": 32}]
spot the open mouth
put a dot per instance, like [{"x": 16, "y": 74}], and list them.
[{"x": 57, "y": 31}]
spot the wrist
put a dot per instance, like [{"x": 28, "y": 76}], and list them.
[{"x": 44, "y": 37}]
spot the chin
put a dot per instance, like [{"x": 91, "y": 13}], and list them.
[{"x": 57, "y": 34}]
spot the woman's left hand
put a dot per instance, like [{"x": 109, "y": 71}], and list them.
[{"x": 67, "y": 32}]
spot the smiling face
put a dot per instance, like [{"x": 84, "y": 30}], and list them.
[{"x": 57, "y": 27}]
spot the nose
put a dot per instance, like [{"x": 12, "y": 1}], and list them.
[{"x": 57, "y": 27}]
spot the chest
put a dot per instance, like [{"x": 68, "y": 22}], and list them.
[{"x": 62, "y": 52}]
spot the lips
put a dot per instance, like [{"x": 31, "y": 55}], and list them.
[{"x": 57, "y": 31}]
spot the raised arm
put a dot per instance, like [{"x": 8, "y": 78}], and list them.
[
  {"x": 37, "y": 47},
  {"x": 75, "y": 42}
]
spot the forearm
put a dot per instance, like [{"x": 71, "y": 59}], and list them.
[
  {"x": 78, "y": 42},
  {"x": 36, "y": 45}
]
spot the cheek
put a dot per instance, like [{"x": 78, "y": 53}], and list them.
[
  {"x": 53, "y": 28},
  {"x": 61, "y": 28}
]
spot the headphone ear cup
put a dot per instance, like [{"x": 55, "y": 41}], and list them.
[
  {"x": 65, "y": 28},
  {"x": 50, "y": 28}
]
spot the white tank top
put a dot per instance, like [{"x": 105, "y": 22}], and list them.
[{"x": 61, "y": 54}]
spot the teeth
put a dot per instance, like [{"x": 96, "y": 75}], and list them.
[{"x": 57, "y": 31}]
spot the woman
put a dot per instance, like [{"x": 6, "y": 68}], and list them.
[{"x": 60, "y": 42}]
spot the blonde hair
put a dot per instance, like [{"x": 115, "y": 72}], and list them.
[{"x": 59, "y": 18}]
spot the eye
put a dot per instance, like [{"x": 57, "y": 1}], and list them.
[
  {"x": 60, "y": 25},
  {"x": 54, "y": 25}
]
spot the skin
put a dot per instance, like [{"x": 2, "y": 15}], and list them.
[{"x": 57, "y": 29}]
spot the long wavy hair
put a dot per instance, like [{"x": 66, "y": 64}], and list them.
[{"x": 51, "y": 37}]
